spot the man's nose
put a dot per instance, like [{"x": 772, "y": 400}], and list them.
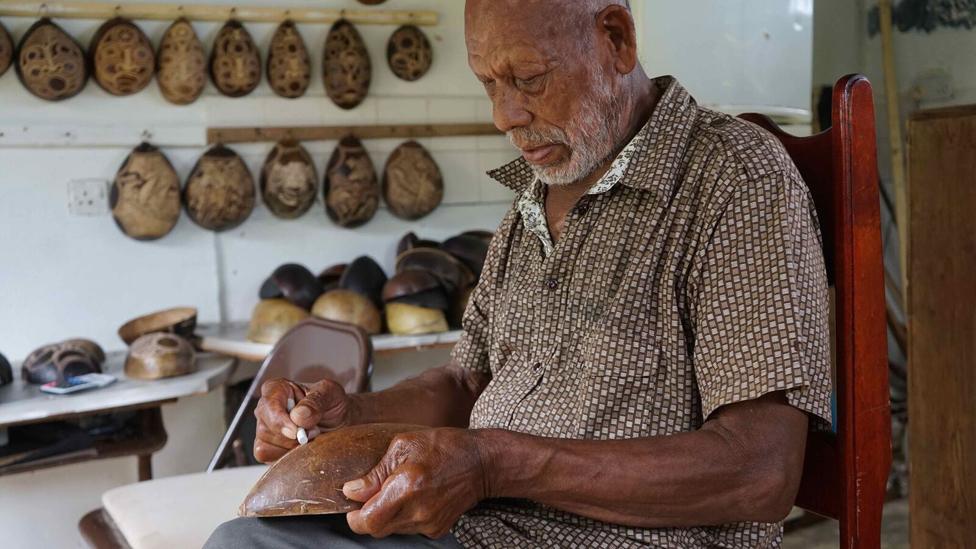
[{"x": 509, "y": 113}]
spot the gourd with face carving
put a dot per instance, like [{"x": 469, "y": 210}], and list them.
[
  {"x": 409, "y": 53},
  {"x": 288, "y": 180},
  {"x": 182, "y": 64},
  {"x": 412, "y": 183},
  {"x": 346, "y": 66},
  {"x": 50, "y": 64},
  {"x": 6, "y": 50},
  {"x": 122, "y": 57},
  {"x": 352, "y": 192},
  {"x": 235, "y": 63},
  {"x": 220, "y": 192},
  {"x": 289, "y": 65},
  {"x": 145, "y": 198}
]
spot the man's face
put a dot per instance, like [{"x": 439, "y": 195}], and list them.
[{"x": 552, "y": 91}]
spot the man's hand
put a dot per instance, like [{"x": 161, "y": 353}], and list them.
[
  {"x": 319, "y": 407},
  {"x": 423, "y": 484}
]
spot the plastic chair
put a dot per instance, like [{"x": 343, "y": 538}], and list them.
[{"x": 845, "y": 472}]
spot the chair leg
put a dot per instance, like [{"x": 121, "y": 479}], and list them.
[
  {"x": 99, "y": 531},
  {"x": 145, "y": 467}
]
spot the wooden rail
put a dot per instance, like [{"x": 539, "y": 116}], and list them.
[
  {"x": 326, "y": 133},
  {"x": 204, "y": 12}
]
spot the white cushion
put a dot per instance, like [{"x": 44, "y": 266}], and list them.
[{"x": 179, "y": 511}]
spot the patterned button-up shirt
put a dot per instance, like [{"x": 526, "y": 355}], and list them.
[{"x": 695, "y": 282}]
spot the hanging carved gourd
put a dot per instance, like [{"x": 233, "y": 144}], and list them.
[
  {"x": 235, "y": 62},
  {"x": 145, "y": 197},
  {"x": 289, "y": 65},
  {"x": 346, "y": 67},
  {"x": 409, "y": 53},
  {"x": 182, "y": 64},
  {"x": 412, "y": 182},
  {"x": 352, "y": 192},
  {"x": 288, "y": 180},
  {"x": 122, "y": 57},
  {"x": 6, "y": 50},
  {"x": 50, "y": 63},
  {"x": 219, "y": 194}
]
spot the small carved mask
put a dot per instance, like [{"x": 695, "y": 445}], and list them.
[
  {"x": 122, "y": 57},
  {"x": 289, "y": 65},
  {"x": 352, "y": 192},
  {"x": 288, "y": 180},
  {"x": 235, "y": 62},
  {"x": 219, "y": 194},
  {"x": 412, "y": 182},
  {"x": 145, "y": 197},
  {"x": 409, "y": 53},
  {"x": 346, "y": 66},
  {"x": 182, "y": 64},
  {"x": 50, "y": 63}
]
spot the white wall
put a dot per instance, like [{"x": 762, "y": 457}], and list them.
[{"x": 64, "y": 275}]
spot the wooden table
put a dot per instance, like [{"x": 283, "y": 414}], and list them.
[{"x": 24, "y": 404}]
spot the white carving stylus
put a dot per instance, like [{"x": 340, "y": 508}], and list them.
[{"x": 302, "y": 435}]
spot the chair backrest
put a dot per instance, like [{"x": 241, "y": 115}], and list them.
[
  {"x": 313, "y": 350},
  {"x": 845, "y": 472}
]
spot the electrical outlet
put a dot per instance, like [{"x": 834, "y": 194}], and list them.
[{"x": 88, "y": 197}]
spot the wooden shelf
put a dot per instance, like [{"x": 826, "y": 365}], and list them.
[
  {"x": 325, "y": 133},
  {"x": 203, "y": 12}
]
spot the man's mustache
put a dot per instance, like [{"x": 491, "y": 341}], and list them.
[{"x": 529, "y": 138}]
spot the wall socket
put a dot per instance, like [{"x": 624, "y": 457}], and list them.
[{"x": 88, "y": 197}]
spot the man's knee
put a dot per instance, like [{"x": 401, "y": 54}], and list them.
[{"x": 233, "y": 533}]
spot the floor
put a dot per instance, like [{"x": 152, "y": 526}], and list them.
[{"x": 894, "y": 533}]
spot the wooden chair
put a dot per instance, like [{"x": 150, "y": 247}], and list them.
[
  {"x": 845, "y": 472},
  {"x": 182, "y": 511}
]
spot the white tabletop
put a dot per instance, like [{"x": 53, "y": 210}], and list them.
[{"x": 21, "y": 402}]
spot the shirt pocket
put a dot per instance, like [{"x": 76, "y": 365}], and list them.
[
  {"x": 620, "y": 392},
  {"x": 516, "y": 378}
]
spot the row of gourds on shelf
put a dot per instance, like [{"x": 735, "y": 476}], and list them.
[
  {"x": 54, "y": 66},
  {"x": 146, "y": 196}
]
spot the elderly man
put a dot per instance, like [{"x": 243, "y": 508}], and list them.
[{"x": 647, "y": 346}]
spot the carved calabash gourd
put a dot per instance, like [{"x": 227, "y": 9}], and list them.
[
  {"x": 6, "y": 371},
  {"x": 272, "y": 318},
  {"x": 308, "y": 480},
  {"x": 122, "y": 56},
  {"x": 289, "y": 65},
  {"x": 219, "y": 195},
  {"x": 145, "y": 197},
  {"x": 157, "y": 356},
  {"x": 289, "y": 181},
  {"x": 412, "y": 183},
  {"x": 365, "y": 276},
  {"x": 50, "y": 63},
  {"x": 330, "y": 276},
  {"x": 6, "y": 50},
  {"x": 349, "y": 307},
  {"x": 56, "y": 362},
  {"x": 293, "y": 282},
  {"x": 346, "y": 67},
  {"x": 235, "y": 62},
  {"x": 182, "y": 61},
  {"x": 352, "y": 191},
  {"x": 409, "y": 53}
]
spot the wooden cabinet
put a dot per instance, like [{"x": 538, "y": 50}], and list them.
[{"x": 942, "y": 327}]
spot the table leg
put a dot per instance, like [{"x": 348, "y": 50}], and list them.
[{"x": 145, "y": 467}]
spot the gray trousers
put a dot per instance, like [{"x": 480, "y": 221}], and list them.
[{"x": 308, "y": 532}]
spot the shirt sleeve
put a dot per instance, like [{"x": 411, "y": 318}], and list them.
[{"x": 760, "y": 305}]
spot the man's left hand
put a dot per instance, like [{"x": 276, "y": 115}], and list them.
[{"x": 423, "y": 484}]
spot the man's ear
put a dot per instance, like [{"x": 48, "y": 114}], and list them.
[{"x": 616, "y": 27}]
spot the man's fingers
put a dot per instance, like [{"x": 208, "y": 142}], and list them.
[
  {"x": 362, "y": 489},
  {"x": 272, "y": 410},
  {"x": 265, "y": 434},
  {"x": 321, "y": 402},
  {"x": 378, "y": 516},
  {"x": 266, "y": 452}
]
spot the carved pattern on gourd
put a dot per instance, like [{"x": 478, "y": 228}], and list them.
[
  {"x": 409, "y": 53},
  {"x": 352, "y": 191},
  {"x": 6, "y": 50},
  {"x": 235, "y": 63},
  {"x": 146, "y": 195},
  {"x": 220, "y": 192},
  {"x": 182, "y": 64},
  {"x": 412, "y": 183},
  {"x": 289, "y": 65},
  {"x": 346, "y": 66},
  {"x": 122, "y": 57},
  {"x": 289, "y": 182},
  {"x": 50, "y": 64}
]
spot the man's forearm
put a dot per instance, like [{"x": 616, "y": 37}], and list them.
[
  {"x": 439, "y": 397},
  {"x": 705, "y": 477}
]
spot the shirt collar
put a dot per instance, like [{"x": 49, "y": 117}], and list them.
[{"x": 659, "y": 145}]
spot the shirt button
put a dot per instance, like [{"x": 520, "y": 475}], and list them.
[
  {"x": 537, "y": 367},
  {"x": 552, "y": 283},
  {"x": 581, "y": 209}
]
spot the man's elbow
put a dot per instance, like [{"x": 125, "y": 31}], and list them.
[{"x": 771, "y": 495}]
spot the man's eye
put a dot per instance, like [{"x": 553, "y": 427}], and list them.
[{"x": 528, "y": 83}]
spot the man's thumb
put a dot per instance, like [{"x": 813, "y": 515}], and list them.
[{"x": 366, "y": 487}]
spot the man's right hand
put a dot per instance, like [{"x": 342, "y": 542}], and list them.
[{"x": 320, "y": 407}]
